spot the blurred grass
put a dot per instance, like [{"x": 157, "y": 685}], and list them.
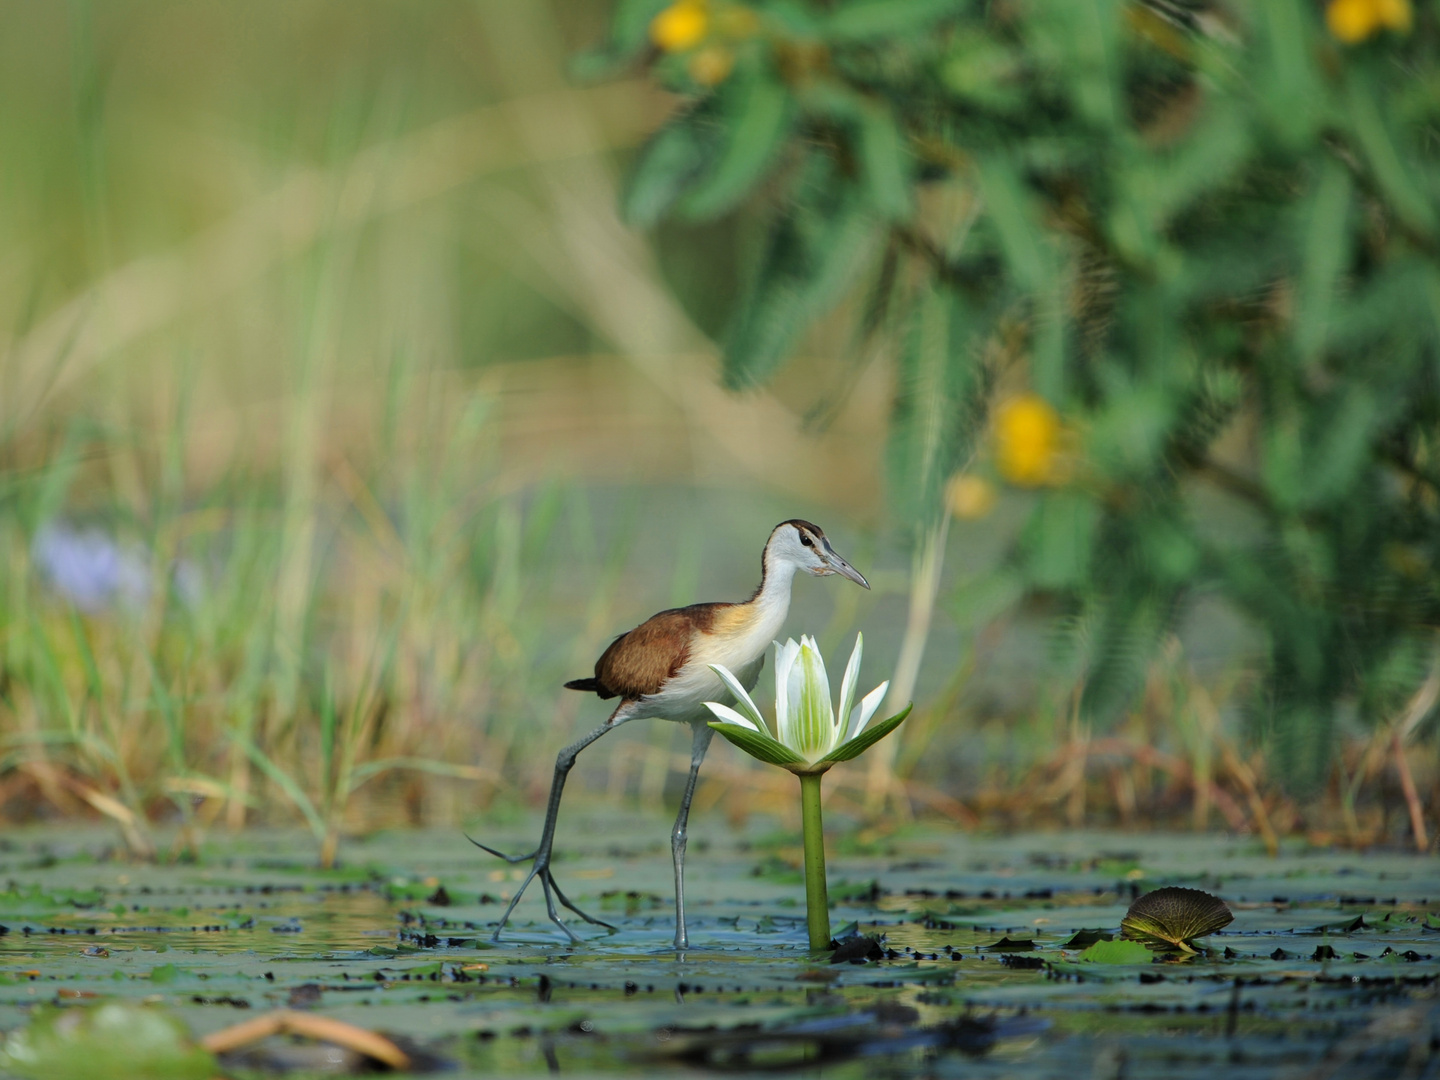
[{"x": 324, "y": 310}]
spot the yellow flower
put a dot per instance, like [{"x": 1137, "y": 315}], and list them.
[
  {"x": 1352, "y": 21},
  {"x": 681, "y": 26},
  {"x": 1027, "y": 441},
  {"x": 1394, "y": 14},
  {"x": 970, "y": 497},
  {"x": 711, "y": 65}
]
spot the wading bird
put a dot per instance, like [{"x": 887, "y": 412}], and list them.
[{"x": 661, "y": 669}]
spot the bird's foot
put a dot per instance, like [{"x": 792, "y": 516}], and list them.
[{"x": 553, "y": 892}]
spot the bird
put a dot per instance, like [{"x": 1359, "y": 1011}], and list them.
[{"x": 661, "y": 669}]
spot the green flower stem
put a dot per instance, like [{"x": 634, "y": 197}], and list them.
[{"x": 817, "y": 902}]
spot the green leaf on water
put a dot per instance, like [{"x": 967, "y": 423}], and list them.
[
  {"x": 1173, "y": 917},
  {"x": 1117, "y": 952},
  {"x": 112, "y": 1041},
  {"x": 1008, "y": 944}
]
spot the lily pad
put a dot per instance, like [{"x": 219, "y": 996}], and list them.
[
  {"x": 1006, "y": 944},
  {"x": 1117, "y": 952},
  {"x": 1173, "y": 917},
  {"x": 115, "y": 1040}
]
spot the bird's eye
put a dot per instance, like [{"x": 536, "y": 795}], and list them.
[{"x": 805, "y": 539}]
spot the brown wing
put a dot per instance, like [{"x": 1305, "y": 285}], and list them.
[{"x": 641, "y": 662}]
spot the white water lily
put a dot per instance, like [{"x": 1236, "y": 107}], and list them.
[{"x": 809, "y": 735}]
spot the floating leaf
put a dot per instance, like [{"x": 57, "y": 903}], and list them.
[
  {"x": 112, "y": 1041},
  {"x": 1084, "y": 938},
  {"x": 1007, "y": 944},
  {"x": 1117, "y": 952},
  {"x": 1349, "y": 926},
  {"x": 1173, "y": 917}
]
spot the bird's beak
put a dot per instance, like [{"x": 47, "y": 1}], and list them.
[{"x": 836, "y": 565}]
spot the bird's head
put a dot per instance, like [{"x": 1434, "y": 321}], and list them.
[{"x": 804, "y": 546}]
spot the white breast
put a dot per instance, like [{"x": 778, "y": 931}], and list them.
[{"x": 742, "y": 652}]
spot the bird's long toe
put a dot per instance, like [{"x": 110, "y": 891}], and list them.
[
  {"x": 548, "y": 883},
  {"x": 560, "y": 895},
  {"x": 501, "y": 854}
]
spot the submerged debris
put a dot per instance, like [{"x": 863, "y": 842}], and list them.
[
  {"x": 1085, "y": 937},
  {"x": 858, "y": 948},
  {"x": 1173, "y": 917},
  {"x": 828, "y": 1040}
]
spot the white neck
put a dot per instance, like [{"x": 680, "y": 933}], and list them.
[{"x": 772, "y": 599}]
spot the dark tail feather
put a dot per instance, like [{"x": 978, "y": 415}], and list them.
[{"x": 588, "y": 685}]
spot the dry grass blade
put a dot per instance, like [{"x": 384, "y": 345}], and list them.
[
  {"x": 1173, "y": 917},
  {"x": 288, "y": 1022}
]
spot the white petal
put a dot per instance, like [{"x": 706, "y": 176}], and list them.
[
  {"x": 729, "y": 715},
  {"x": 784, "y": 662},
  {"x": 852, "y": 676},
  {"x": 742, "y": 699},
  {"x": 866, "y": 709}
]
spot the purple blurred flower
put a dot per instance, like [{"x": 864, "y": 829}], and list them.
[{"x": 90, "y": 569}]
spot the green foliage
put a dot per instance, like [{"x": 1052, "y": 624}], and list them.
[
  {"x": 1207, "y": 236},
  {"x": 758, "y": 744},
  {"x": 105, "y": 1042},
  {"x": 1117, "y": 952},
  {"x": 847, "y": 751}
]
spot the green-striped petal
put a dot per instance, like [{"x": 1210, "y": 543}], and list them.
[{"x": 815, "y": 731}]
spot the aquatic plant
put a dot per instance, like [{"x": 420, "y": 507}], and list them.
[
  {"x": 1173, "y": 917},
  {"x": 810, "y": 737}
]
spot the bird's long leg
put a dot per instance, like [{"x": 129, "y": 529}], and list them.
[
  {"x": 698, "y": 746},
  {"x": 564, "y": 761}
]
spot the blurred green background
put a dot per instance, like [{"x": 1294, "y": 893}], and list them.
[{"x": 344, "y": 418}]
